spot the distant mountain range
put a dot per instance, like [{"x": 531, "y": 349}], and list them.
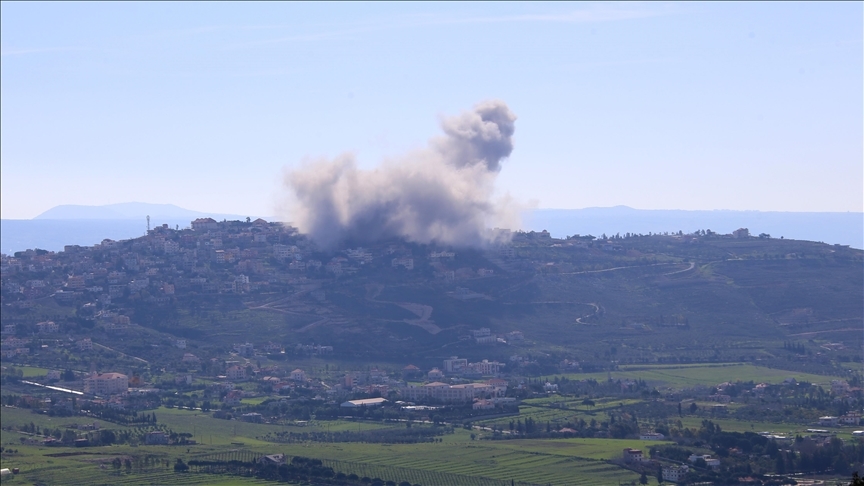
[
  {"x": 88, "y": 225},
  {"x": 130, "y": 210},
  {"x": 71, "y": 224}
]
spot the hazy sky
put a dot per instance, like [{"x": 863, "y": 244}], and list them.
[{"x": 655, "y": 106}]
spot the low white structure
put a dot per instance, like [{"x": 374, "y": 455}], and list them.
[
  {"x": 273, "y": 459},
  {"x": 367, "y": 402},
  {"x": 709, "y": 461},
  {"x": 651, "y": 436},
  {"x": 828, "y": 421}
]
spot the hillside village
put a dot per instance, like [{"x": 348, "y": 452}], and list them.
[{"x": 251, "y": 322}]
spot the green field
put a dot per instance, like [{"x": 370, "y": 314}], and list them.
[
  {"x": 707, "y": 374},
  {"x": 457, "y": 459}
]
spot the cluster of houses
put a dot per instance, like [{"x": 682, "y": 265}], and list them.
[
  {"x": 484, "y": 394},
  {"x": 232, "y": 257},
  {"x": 672, "y": 472},
  {"x": 169, "y": 262},
  {"x": 848, "y": 419},
  {"x": 722, "y": 395},
  {"x": 12, "y": 346}
]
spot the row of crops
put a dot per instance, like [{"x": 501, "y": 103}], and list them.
[{"x": 415, "y": 476}]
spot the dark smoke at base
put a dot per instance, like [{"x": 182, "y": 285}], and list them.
[{"x": 441, "y": 194}]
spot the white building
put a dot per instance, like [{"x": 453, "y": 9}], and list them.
[
  {"x": 47, "y": 327},
  {"x": 241, "y": 284},
  {"x": 828, "y": 421},
  {"x": 651, "y": 436},
  {"x": 105, "y": 384},
  {"x": 851, "y": 418},
  {"x": 408, "y": 263},
  {"x": 515, "y": 336},
  {"x": 675, "y": 474},
  {"x": 442, "y": 254},
  {"x": 139, "y": 284},
  {"x": 435, "y": 374},
  {"x": 284, "y": 252},
  {"x": 486, "y": 367},
  {"x": 298, "y": 375},
  {"x": 455, "y": 365},
  {"x": 448, "y": 393},
  {"x": 169, "y": 246},
  {"x": 709, "y": 461},
  {"x": 483, "y": 331},
  {"x": 633, "y": 455},
  {"x": 204, "y": 224},
  {"x": 236, "y": 373},
  {"x": 246, "y": 349}
]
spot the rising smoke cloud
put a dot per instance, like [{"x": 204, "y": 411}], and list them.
[{"x": 441, "y": 194}]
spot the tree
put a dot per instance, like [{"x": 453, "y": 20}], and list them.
[
  {"x": 180, "y": 466},
  {"x": 643, "y": 479},
  {"x": 856, "y": 480},
  {"x": 69, "y": 437},
  {"x": 660, "y": 475},
  {"x": 107, "y": 437},
  {"x": 780, "y": 464}
]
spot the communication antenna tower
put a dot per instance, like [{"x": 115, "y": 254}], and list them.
[{"x": 148, "y": 223}]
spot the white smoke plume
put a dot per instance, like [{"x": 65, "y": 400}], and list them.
[{"x": 441, "y": 194}]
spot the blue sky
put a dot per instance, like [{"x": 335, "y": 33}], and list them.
[{"x": 750, "y": 106}]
